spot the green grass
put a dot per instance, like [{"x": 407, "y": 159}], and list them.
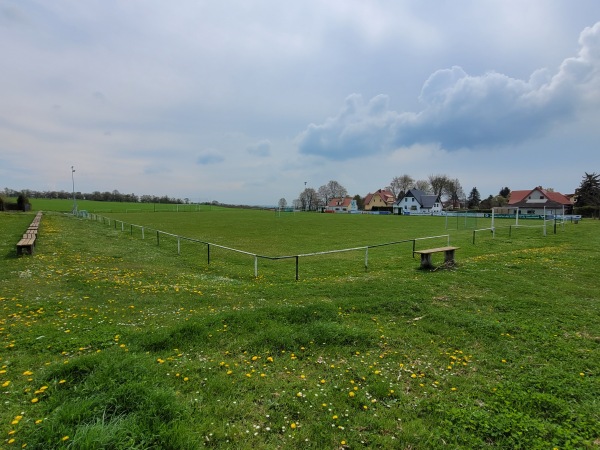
[{"x": 117, "y": 342}]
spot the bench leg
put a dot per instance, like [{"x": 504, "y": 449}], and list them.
[
  {"x": 449, "y": 257},
  {"x": 426, "y": 261}
]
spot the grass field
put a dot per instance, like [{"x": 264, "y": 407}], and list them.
[{"x": 111, "y": 341}]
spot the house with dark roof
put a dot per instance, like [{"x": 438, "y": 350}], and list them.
[
  {"x": 539, "y": 201},
  {"x": 343, "y": 205},
  {"x": 381, "y": 200},
  {"x": 418, "y": 202}
]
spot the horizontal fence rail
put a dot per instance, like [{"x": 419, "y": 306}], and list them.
[{"x": 119, "y": 224}]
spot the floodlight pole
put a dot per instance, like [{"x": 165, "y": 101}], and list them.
[{"x": 74, "y": 199}]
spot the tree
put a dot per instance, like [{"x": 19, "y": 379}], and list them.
[
  {"x": 400, "y": 185},
  {"x": 588, "y": 194},
  {"x": 474, "y": 199},
  {"x": 454, "y": 192},
  {"x": 504, "y": 192},
  {"x": 309, "y": 199},
  {"x": 332, "y": 189},
  {"x": 282, "y": 203},
  {"x": 438, "y": 183},
  {"x": 423, "y": 185},
  {"x": 360, "y": 202}
]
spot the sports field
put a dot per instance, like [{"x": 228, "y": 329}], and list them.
[{"x": 109, "y": 340}]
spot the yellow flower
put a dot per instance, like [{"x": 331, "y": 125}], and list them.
[
  {"x": 35, "y": 400},
  {"x": 293, "y": 425},
  {"x": 299, "y": 394},
  {"x": 5, "y": 384},
  {"x": 351, "y": 394},
  {"x": 65, "y": 438}
]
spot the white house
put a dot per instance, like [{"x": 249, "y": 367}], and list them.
[{"x": 418, "y": 202}]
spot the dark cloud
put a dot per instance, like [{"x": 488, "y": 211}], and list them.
[
  {"x": 261, "y": 148},
  {"x": 209, "y": 157},
  {"x": 464, "y": 111}
]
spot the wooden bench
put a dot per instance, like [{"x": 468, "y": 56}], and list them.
[
  {"x": 27, "y": 243},
  {"x": 426, "y": 256}
]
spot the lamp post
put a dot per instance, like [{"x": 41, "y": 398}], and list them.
[{"x": 74, "y": 199}]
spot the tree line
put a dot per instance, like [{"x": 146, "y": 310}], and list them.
[{"x": 114, "y": 196}]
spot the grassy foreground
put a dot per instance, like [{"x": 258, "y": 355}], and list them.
[{"x": 110, "y": 341}]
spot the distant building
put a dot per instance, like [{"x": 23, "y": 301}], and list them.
[
  {"x": 418, "y": 202},
  {"x": 539, "y": 201},
  {"x": 341, "y": 205},
  {"x": 382, "y": 200}
]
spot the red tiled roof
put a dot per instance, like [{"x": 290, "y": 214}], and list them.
[
  {"x": 516, "y": 197},
  {"x": 343, "y": 202}
]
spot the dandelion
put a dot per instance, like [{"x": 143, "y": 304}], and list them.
[
  {"x": 299, "y": 394},
  {"x": 62, "y": 381},
  {"x": 35, "y": 400},
  {"x": 293, "y": 425},
  {"x": 335, "y": 417},
  {"x": 12, "y": 440},
  {"x": 351, "y": 394},
  {"x": 270, "y": 359},
  {"x": 6, "y": 383},
  {"x": 65, "y": 438}
]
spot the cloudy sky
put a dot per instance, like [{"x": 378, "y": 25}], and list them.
[{"x": 245, "y": 102}]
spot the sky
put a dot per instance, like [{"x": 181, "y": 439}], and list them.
[{"x": 250, "y": 102}]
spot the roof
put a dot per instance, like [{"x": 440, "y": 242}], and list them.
[
  {"x": 337, "y": 202},
  {"x": 424, "y": 199},
  {"x": 517, "y": 198},
  {"x": 384, "y": 194}
]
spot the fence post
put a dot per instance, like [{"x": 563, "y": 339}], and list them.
[
  {"x": 296, "y": 268},
  {"x": 208, "y": 253},
  {"x": 122, "y": 226},
  {"x": 143, "y": 237},
  {"x": 178, "y": 245},
  {"x": 131, "y": 230},
  {"x": 366, "y": 259},
  {"x": 473, "y": 236},
  {"x": 414, "y": 246},
  {"x": 255, "y": 266},
  {"x": 157, "y": 237}
]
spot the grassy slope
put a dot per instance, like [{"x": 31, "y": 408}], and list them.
[{"x": 112, "y": 341}]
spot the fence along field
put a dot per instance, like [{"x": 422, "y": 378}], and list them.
[
  {"x": 114, "y": 342},
  {"x": 259, "y": 232}
]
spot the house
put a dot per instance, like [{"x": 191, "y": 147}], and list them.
[
  {"x": 539, "y": 201},
  {"x": 418, "y": 202},
  {"x": 382, "y": 200},
  {"x": 344, "y": 204}
]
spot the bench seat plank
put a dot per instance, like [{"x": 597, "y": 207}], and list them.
[{"x": 426, "y": 256}]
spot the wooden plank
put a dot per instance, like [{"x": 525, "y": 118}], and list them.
[{"x": 435, "y": 250}]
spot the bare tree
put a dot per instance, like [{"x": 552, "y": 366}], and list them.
[
  {"x": 400, "y": 185},
  {"x": 309, "y": 199},
  {"x": 332, "y": 189},
  {"x": 454, "y": 191},
  {"x": 282, "y": 203},
  {"x": 423, "y": 185},
  {"x": 438, "y": 183}
]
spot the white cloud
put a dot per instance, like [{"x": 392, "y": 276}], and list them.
[{"x": 463, "y": 111}]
